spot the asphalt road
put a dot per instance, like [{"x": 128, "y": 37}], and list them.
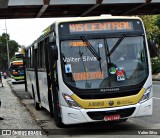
[{"x": 131, "y": 128}]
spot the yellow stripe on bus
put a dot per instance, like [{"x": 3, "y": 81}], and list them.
[
  {"x": 109, "y": 102},
  {"x": 21, "y": 77}
]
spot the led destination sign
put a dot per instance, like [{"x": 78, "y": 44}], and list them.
[
  {"x": 104, "y": 26},
  {"x": 17, "y": 63},
  {"x": 76, "y": 43},
  {"x": 100, "y": 26}
]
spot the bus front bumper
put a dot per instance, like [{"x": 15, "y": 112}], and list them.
[
  {"x": 17, "y": 81},
  {"x": 75, "y": 116}
]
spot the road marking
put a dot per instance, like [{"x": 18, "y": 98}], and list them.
[{"x": 156, "y": 98}]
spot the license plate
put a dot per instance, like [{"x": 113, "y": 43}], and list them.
[{"x": 112, "y": 117}]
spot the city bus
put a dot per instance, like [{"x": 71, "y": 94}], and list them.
[
  {"x": 17, "y": 71},
  {"x": 91, "y": 69}
]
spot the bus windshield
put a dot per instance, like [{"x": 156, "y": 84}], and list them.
[
  {"x": 125, "y": 66},
  {"x": 17, "y": 70}
]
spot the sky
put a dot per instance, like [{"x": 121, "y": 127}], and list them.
[{"x": 25, "y": 31}]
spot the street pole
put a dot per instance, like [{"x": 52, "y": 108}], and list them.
[{"x": 7, "y": 45}]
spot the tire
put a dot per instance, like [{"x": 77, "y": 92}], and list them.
[
  {"x": 57, "y": 118},
  {"x": 57, "y": 112},
  {"x": 121, "y": 120},
  {"x": 36, "y": 104},
  {"x": 13, "y": 82},
  {"x": 51, "y": 104}
]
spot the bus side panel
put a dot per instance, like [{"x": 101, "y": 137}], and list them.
[
  {"x": 31, "y": 81},
  {"x": 43, "y": 88}
]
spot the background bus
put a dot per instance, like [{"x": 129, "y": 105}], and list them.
[
  {"x": 91, "y": 69},
  {"x": 17, "y": 71}
]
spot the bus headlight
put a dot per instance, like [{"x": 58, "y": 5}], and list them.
[
  {"x": 71, "y": 103},
  {"x": 146, "y": 95}
]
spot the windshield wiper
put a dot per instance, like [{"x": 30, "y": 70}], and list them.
[
  {"x": 117, "y": 44},
  {"x": 91, "y": 48}
]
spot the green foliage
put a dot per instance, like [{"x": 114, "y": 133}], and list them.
[
  {"x": 157, "y": 22},
  {"x": 152, "y": 26},
  {"x": 13, "y": 59},
  {"x": 155, "y": 65},
  {"x": 13, "y": 47},
  {"x": 149, "y": 23}
]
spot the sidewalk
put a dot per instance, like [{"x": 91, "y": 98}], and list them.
[
  {"x": 156, "y": 77},
  {"x": 12, "y": 111}
]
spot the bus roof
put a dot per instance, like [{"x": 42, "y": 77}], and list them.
[
  {"x": 73, "y": 19},
  {"x": 94, "y": 18}
]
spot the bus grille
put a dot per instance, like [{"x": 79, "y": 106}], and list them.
[
  {"x": 99, "y": 115},
  {"x": 108, "y": 94}
]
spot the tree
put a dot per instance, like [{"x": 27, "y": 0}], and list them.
[
  {"x": 157, "y": 33},
  {"x": 149, "y": 23},
  {"x": 152, "y": 30},
  {"x": 13, "y": 47},
  {"x": 157, "y": 22}
]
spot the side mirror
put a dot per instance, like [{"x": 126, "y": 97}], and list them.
[{"x": 54, "y": 52}]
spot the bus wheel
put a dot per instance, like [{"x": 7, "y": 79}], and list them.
[
  {"x": 51, "y": 104},
  {"x": 36, "y": 104},
  {"x": 57, "y": 117},
  {"x": 122, "y": 120},
  {"x": 57, "y": 112}
]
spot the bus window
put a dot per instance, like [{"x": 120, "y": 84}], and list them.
[{"x": 83, "y": 65}]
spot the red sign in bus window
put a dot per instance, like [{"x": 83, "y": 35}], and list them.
[{"x": 88, "y": 76}]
